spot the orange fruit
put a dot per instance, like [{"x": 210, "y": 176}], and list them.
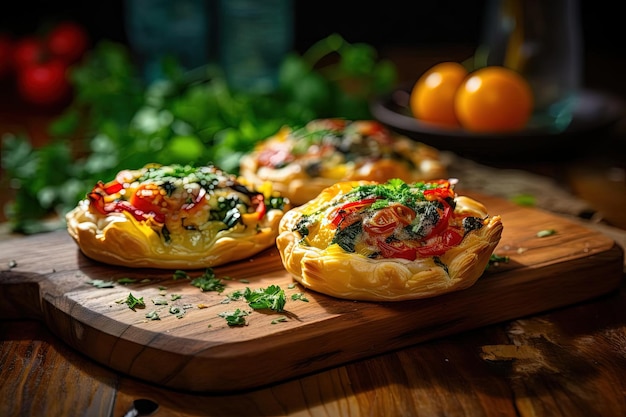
[
  {"x": 494, "y": 99},
  {"x": 432, "y": 97}
]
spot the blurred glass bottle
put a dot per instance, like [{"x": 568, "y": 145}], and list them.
[
  {"x": 254, "y": 37},
  {"x": 541, "y": 40},
  {"x": 158, "y": 28}
]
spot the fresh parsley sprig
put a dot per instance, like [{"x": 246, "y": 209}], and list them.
[{"x": 272, "y": 298}]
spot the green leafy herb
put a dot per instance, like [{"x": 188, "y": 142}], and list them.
[
  {"x": 272, "y": 297},
  {"x": 235, "y": 295},
  {"x": 234, "y": 318},
  {"x": 153, "y": 315},
  {"x": 178, "y": 274},
  {"x": 209, "y": 282},
  {"x": 125, "y": 281},
  {"x": 134, "y": 302},
  {"x": 299, "y": 296},
  {"x": 178, "y": 311}
]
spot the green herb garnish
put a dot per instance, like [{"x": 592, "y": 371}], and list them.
[
  {"x": 98, "y": 283},
  {"x": 546, "y": 232},
  {"x": 234, "y": 318},
  {"x": 272, "y": 297},
  {"x": 134, "y": 302},
  {"x": 299, "y": 296},
  {"x": 209, "y": 282}
]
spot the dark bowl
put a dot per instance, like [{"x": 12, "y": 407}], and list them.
[{"x": 594, "y": 114}]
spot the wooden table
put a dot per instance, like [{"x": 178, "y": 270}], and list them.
[{"x": 567, "y": 362}]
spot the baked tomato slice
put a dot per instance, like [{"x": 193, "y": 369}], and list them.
[
  {"x": 385, "y": 221},
  {"x": 397, "y": 249},
  {"x": 440, "y": 244}
]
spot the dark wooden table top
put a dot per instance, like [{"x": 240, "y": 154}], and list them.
[{"x": 567, "y": 362}]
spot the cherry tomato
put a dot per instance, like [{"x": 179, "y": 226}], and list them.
[
  {"x": 44, "y": 84},
  {"x": 67, "y": 41},
  {"x": 432, "y": 96},
  {"x": 494, "y": 99},
  {"x": 28, "y": 51}
]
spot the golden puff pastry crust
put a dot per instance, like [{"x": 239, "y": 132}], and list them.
[
  {"x": 301, "y": 163},
  {"x": 435, "y": 258},
  {"x": 174, "y": 217}
]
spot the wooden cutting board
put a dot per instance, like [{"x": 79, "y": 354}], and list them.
[{"x": 47, "y": 278}]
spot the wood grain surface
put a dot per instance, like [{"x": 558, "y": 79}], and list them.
[{"x": 47, "y": 278}]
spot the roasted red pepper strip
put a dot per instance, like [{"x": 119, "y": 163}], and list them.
[
  {"x": 97, "y": 201},
  {"x": 258, "y": 202},
  {"x": 343, "y": 211},
  {"x": 439, "y": 193},
  {"x": 138, "y": 214},
  {"x": 444, "y": 219},
  {"x": 111, "y": 187}
]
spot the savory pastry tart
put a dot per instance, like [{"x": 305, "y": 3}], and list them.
[
  {"x": 174, "y": 217},
  {"x": 363, "y": 240},
  {"x": 301, "y": 163}
]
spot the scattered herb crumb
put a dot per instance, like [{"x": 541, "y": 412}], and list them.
[
  {"x": 292, "y": 285},
  {"x": 235, "y": 318},
  {"x": 235, "y": 295},
  {"x": 495, "y": 260},
  {"x": 134, "y": 302},
  {"x": 12, "y": 263},
  {"x": 209, "y": 282},
  {"x": 178, "y": 311},
  {"x": 125, "y": 281},
  {"x": 160, "y": 301},
  {"x": 524, "y": 200},
  {"x": 178, "y": 274},
  {"x": 299, "y": 296},
  {"x": 244, "y": 281},
  {"x": 546, "y": 232},
  {"x": 153, "y": 315},
  {"x": 98, "y": 283},
  {"x": 280, "y": 319},
  {"x": 175, "y": 297}
]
